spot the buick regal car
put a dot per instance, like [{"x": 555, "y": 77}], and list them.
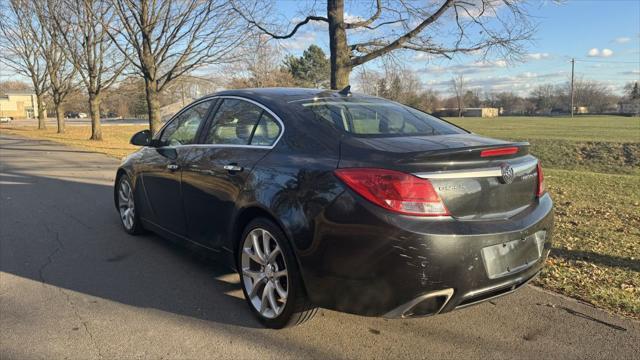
[{"x": 342, "y": 201}]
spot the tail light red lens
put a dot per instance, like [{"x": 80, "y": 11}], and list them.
[
  {"x": 395, "y": 191},
  {"x": 499, "y": 151},
  {"x": 540, "y": 190}
]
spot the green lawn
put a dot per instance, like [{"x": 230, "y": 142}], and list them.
[
  {"x": 592, "y": 172},
  {"x": 618, "y": 129}
]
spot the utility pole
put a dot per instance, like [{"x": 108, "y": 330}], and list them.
[{"x": 573, "y": 62}]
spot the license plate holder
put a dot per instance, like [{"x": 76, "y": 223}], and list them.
[{"x": 513, "y": 256}]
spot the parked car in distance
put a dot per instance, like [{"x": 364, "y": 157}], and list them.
[
  {"x": 71, "y": 114},
  {"x": 82, "y": 115},
  {"x": 342, "y": 201},
  {"x": 5, "y": 119},
  {"x": 110, "y": 115}
]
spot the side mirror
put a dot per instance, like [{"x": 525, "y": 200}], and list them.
[{"x": 141, "y": 138}]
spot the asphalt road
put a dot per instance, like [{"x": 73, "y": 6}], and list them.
[{"x": 74, "y": 285}]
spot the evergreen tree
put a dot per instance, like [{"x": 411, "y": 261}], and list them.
[
  {"x": 635, "y": 92},
  {"x": 311, "y": 69}
]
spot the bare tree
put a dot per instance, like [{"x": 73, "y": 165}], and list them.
[
  {"x": 91, "y": 50},
  {"x": 366, "y": 81},
  {"x": 262, "y": 66},
  {"x": 594, "y": 95},
  {"x": 458, "y": 88},
  {"x": 485, "y": 27},
  {"x": 19, "y": 48},
  {"x": 60, "y": 70},
  {"x": 10, "y": 85},
  {"x": 167, "y": 39}
]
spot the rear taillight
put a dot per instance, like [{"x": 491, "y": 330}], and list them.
[
  {"x": 540, "y": 189},
  {"x": 499, "y": 151},
  {"x": 395, "y": 191}
]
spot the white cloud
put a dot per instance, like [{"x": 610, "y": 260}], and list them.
[
  {"x": 630, "y": 72},
  {"x": 595, "y": 52},
  {"x": 349, "y": 18},
  {"x": 520, "y": 83},
  {"x": 300, "y": 41},
  {"x": 422, "y": 56},
  {"x": 469, "y": 68},
  {"x": 622, "y": 40},
  {"x": 538, "y": 56}
]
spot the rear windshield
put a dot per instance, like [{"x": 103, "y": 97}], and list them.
[{"x": 365, "y": 117}]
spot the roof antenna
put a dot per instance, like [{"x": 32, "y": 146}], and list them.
[{"x": 346, "y": 91}]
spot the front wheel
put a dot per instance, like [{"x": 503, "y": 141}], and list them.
[
  {"x": 127, "y": 207},
  {"x": 270, "y": 278}
]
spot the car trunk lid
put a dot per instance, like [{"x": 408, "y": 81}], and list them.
[{"x": 474, "y": 176}]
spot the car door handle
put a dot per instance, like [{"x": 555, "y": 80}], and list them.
[
  {"x": 173, "y": 167},
  {"x": 233, "y": 168}
]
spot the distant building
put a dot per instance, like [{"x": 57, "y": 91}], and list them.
[
  {"x": 18, "y": 105},
  {"x": 581, "y": 110},
  {"x": 484, "y": 112}
]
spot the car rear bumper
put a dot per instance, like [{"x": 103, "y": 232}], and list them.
[{"x": 365, "y": 260}]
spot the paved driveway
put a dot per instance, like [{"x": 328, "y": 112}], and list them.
[{"x": 74, "y": 285}]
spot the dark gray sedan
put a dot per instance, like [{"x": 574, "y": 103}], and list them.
[{"x": 343, "y": 201}]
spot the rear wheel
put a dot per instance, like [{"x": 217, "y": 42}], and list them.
[
  {"x": 127, "y": 207},
  {"x": 270, "y": 278}
]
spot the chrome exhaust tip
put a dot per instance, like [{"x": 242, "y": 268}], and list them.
[{"x": 427, "y": 304}]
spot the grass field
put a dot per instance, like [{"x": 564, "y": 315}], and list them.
[
  {"x": 592, "y": 172},
  {"x": 115, "y": 138},
  {"x": 617, "y": 129}
]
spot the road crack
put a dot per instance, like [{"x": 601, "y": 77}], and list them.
[
  {"x": 74, "y": 307},
  {"x": 49, "y": 260},
  {"x": 584, "y": 316}
]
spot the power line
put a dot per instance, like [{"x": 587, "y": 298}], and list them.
[{"x": 608, "y": 61}]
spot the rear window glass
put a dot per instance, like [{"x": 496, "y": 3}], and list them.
[{"x": 378, "y": 118}]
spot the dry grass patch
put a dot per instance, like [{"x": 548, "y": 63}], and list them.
[
  {"x": 115, "y": 137},
  {"x": 596, "y": 249}
]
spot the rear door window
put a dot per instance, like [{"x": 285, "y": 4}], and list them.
[
  {"x": 266, "y": 132},
  {"x": 239, "y": 122},
  {"x": 234, "y": 122}
]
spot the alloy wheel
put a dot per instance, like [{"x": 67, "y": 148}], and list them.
[
  {"x": 126, "y": 204},
  {"x": 264, "y": 273}
]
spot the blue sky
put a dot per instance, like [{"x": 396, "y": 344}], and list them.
[{"x": 603, "y": 36}]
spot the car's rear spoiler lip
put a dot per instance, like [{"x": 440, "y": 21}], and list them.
[{"x": 523, "y": 167}]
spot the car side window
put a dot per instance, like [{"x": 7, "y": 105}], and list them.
[
  {"x": 183, "y": 128},
  {"x": 266, "y": 132},
  {"x": 234, "y": 122}
]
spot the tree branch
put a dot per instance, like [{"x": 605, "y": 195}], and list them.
[
  {"x": 275, "y": 36},
  {"x": 398, "y": 43},
  {"x": 366, "y": 23}
]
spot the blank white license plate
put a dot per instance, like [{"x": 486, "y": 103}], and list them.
[{"x": 513, "y": 256}]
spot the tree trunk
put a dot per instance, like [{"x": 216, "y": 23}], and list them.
[
  {"x": 60, "y": 118},
  {"x": 340, "y": 60},
  {"x": 153, "y": 105},
  {"x": 94, "y": 110},
  {"x": 41, "y": 116}
]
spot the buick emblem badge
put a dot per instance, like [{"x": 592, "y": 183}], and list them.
[{"x": 507, "y": 174}]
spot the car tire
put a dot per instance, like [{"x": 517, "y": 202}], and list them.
[
  {"x": 126, "y": 206},
  {"x": 275, "y": 301}
]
